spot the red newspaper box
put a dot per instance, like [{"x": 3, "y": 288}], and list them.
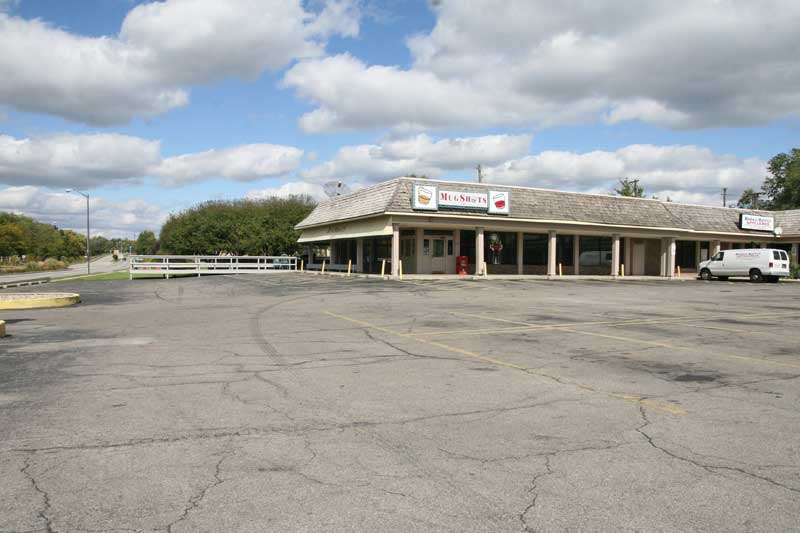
[{"x": 462, "y": 264}]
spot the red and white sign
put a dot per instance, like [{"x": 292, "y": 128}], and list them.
[
  {"x": 499, "y": 203},
  {"x": 470, "y": 200},
  {"x": 430, "y": 198}
]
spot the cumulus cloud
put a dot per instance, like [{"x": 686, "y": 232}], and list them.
[
  {"x": 241, "y": 163},
  {"x": 420, "y": 154},
  {"x": 687, "y": 173},
  {"x": 68, "y": 211},
  {"x": 677, "y": 63},
  {"x": 68, "y": 160},
  {"x": 162, "y": 48},
  {"x": 295, "y": 188}
]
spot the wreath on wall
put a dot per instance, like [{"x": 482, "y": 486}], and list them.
[{"x": 496, "y": 246}]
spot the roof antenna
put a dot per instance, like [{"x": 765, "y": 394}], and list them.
[{"x": 479, "y": 168}]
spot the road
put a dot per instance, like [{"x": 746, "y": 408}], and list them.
[
  {"x": 299, "y": 402},
  {"x": 99, "y": 265}
]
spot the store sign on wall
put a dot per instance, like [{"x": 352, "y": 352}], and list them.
[
  {"x": 430, "y": 198},
  {"x": 756, "y": 222}
]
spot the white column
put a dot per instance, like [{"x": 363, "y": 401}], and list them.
[
  {"x": 793, "y": 258},
  {"x": 310, "y": 254},
  {"x": 628, "y": 255},
  {"x": 479, "y": 251},
  {"x": 457, "y": 242},
  {"x": 615, "y": 255},
  {"x": 520, "y": 249},
  {"x": 395, "y": 249},
  {"x": 359, "y": 255},
  {"x": 419, "y": 235},
  {"x": 663, "y": 266},
  {"x": 671, "y": 250},
  {"x": 551, "y": 253},
  {"x": 716, "y": 246},
  {"x": 763, "y": 245},
  {"x": 576, "y": 254}
]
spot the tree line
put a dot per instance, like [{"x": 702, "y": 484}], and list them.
[
  {"x": 24, "y": 236},
  {"x": 236, "y": 227}
]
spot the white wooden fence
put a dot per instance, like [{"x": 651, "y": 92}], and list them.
[{"x": 208, "y": 264}]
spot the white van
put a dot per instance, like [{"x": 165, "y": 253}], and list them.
[{"x": 759, "y": 264}]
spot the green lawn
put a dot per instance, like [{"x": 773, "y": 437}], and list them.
[{"x": 112, "y": 276}]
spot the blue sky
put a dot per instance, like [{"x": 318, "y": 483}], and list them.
[{"x": 126, "y": 99}]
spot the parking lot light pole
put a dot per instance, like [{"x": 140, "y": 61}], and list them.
[{"x": 88, "y": 249}]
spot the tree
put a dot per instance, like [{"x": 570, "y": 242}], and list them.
[
  {"x": 239, "y": 227},
  {"x": 629, "y": 187},
  {"x": 146, "y": 243},
  {"x": 782, "y": 186},
  {"x": 12, "y": 240}
]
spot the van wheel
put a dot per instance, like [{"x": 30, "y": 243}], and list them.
[
  {"x": 755, "y": 276},
  {"x": 705, "y": 274}
]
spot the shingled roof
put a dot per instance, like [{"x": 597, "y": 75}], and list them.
[{"x": 394, "y": 196}]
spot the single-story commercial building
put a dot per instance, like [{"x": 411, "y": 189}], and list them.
[{"x": 423, "y": 226}]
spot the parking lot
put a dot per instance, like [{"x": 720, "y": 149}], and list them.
[{"x": 299, "y": 402}]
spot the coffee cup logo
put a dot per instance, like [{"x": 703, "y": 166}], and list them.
[
  {"x": 424, "y": 195},
  {"x": 499, "y": 200}
]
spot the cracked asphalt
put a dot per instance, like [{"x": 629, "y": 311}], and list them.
[{"x": 297, "y": 402}]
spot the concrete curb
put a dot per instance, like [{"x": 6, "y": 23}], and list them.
[
  {"x": 38, "y": 300},
  {"x": 24, "y": 283}
]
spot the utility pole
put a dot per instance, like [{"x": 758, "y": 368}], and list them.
[
  {"x": 479, "y": 168},
  {"x": 724, "y": 197},
  {"x": 88, "y": 249}
]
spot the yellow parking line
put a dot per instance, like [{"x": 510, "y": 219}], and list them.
[{"x": 626, "y": 397}]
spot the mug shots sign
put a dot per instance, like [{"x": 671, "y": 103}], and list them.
[{"x": 431, "y": 198}]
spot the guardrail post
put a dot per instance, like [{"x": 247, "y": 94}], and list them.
[{"x": 166, "y": 272}]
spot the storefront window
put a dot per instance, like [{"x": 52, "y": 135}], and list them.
[
  {"x": 534, "y": 251},
  {"x": 564, "y": 254},
  {"x": 686, "y": 254},
  {"x": 595, "y": 251},
  {"x": 468, "y": 245},
  {"x": 500, "y": 248}
]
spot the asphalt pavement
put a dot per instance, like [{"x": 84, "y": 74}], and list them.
[{"x": 300, "y": 402}]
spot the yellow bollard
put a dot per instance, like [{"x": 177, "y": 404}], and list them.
[
  {"x": 349, "y": 265},
  {"x": 485, "y": 270},
  {"x": 383, "y": 267},
  {"x": 302, "y": 265},
  {"x": 400, "y": 268},
  {"x": 560, "y": 270},
  {"x": 323, "y": 266},
  {"x": 679, "y": 271},
  {"x": 622, "y": 270}
]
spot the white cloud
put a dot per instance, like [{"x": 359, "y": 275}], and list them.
[
  {"x": 241, "y": 163},
  {"x": 68, "y": 160},
  {"x": 687, "y": 173},
  {"x": 296, "y": 188},
  {"x": 420, "y": 154},
  {"x": 676, "y": 63},
  {"x": 68, "y": 211},
  {"x": 162, "y": 48}
]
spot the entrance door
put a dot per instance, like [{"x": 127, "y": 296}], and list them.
[
  {"x": 438, "y": 255},
  {"x": 637, "y": 268}
]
